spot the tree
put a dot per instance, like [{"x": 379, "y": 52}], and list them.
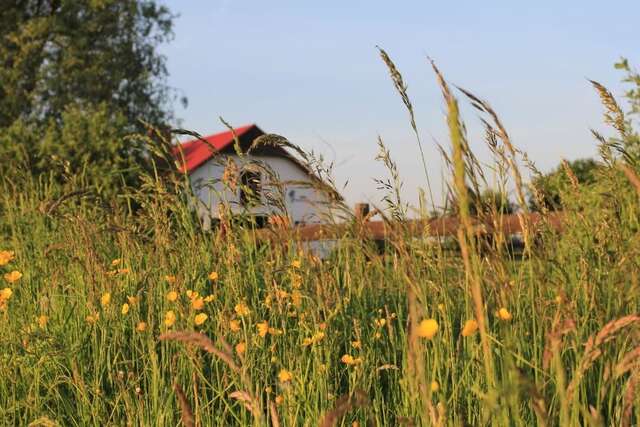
[
  {"x": 551, "y": 186},
  {"x": 76, "y": 76}
]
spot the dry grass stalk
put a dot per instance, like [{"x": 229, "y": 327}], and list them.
[
  {"x": 273, "y": 411},
  {"x": 628, "y": 399},
  {"x": 248, "y": 401},
  {"x": 628, "y": 362},
  {"x": 343, "y": 405},
  {"x": 593, "y": 348},
  {"x": 570, "y": 174},
  {"x": 631, "y": 176},
  {"x": 613, "y": 114},
  {"x": 202, "y": 341},
  {"x": 186, "y": 414},
  {"x": 466, "y": 234}
]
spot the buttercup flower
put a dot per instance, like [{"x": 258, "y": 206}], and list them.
[
  {"x": 348, "y": 359},
  {"x": 209, "y": 298},
  {"x": 241, "y": 309},
  {"x": 234, "y": 325},
  {"x": 5, "y": 294},
  {"x": 263, "y": 328},
  {"x": 172, "y": 296},
  {"x": 213, "y": 276},
  {"x": 125, "y": 309},
  {"x": 279, "y": 399},
  {"x": 6, "y": 257},
  {"x": 427, "y": 328},
  {"x": 105, "y": 299},
  {"x": 200, "y": 319},
  {"x": 197, "y": 303},
  {"x": 92, "y": 318},
  {"x": 435, "y": 386},
  {"x": 13, "y": 276},
  {"x": 170, "y": 278},
  {"x": 296, "y": 263},
  {"x": 284, "y": 376},
  {"x": 141, "y": 326},
  {"x": 470, "y": 327},
  {"x": 241, "y": 348},
  {"x": 42, "y": 321},
  {"x": 504, "y": 314},
  {"x": 169, "y": 318}
]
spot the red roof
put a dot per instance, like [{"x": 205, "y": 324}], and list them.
[{"x": 197, "y": 151}]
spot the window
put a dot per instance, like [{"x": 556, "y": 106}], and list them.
[{"x": 250, "y": 187}]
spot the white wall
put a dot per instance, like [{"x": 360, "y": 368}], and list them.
[{"x": 303, "y": 205}]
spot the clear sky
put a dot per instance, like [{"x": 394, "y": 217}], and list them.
[{"x": 310, "y": 71}]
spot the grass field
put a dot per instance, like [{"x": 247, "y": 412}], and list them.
[{"x": 113, "y": 318}]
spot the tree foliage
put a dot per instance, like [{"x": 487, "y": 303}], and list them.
[{"x": 75, "y": 78}]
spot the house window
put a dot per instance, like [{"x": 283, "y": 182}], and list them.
[{"x": 250, "y": 187}]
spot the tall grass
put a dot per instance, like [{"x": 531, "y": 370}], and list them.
[{"x": 289, "y": 339}]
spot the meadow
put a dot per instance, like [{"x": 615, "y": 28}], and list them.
[{"x": 127, "y": 312}]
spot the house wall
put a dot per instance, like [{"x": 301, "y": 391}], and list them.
[{"x": 303, "y": 205}]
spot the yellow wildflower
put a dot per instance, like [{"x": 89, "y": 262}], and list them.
[
  {"x": 470, "y": 327},
  {"x": 6, "y": 257},
  {"x": 427, "y": 328},
  {"x": 284, "y": 376},
  {"x": 170, "y": 278},
  {"x": 296, "y": 281},
  {"x": 141, "y": 326},
  {"x": 241, "y": 309},
  {"x": 296, "y": 263},
  {"x": 380, "y": 322},
  {"x": 213, "y": 276},
  {"x": 234, "y": 325},
  {"x": 241, "y": 348},
  {"x": 296, "y": 298},
  {"x": 279, "y": 399},
  {"x": 348, "y": 359},
  {"x": 263, "y": 328},
  {"x": 172, "y": 296},
  {"x": 504, "y": 314},
  {"x": 125, "y": 309},
  {"x": 435, "y": 386},
  {"x": 169, "y": 318},
  {"x": 314, "y": 339},
  {"x": 42, "y": 321},
  {"x": 5, "y": 294},
  {"x": 209, "y": 298},
  {"x": 92, "y": 318},
  {"x": 200, "y": 319},
  {"x": 197, "y": 303},
  {"x": 116, "y": 261},
  {"x": 356, "y": 344},
  {"x": 13, "y": 276},
  {"x": 191, "y": 294},
  {"x": 322, "y": 326},
  {"x": 124, "y": 271},
  {"x": 105, "y": 299}
]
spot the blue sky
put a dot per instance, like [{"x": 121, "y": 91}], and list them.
[{"x": 310, "y": 71}]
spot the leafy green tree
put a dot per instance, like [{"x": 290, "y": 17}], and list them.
[
  {"x": 551, "y": 185},
  {"x": 75, "y": 78}
]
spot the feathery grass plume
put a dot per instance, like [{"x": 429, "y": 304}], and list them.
[
  {"x": 186, "y": 414},
  {"x": 236, "y": 141},
  {"x": 401, "y": 88},
  {"x": 392, "y": 186},
  {"x": 613, "y": 114},
  {"x": 593, "y": 348},
  {"x": 570, "y": 174},
  {"x": 629, "y": 361},
  {"x": 249, "y": 402},
  {"x": 343, "y": 405},
  {"x": 200, "y": 340},
  {"x": 465, "y": 232}
]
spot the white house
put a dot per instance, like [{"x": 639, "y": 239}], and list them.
[{"x": 262, "y": 182}]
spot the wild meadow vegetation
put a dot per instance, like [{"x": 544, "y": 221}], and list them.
[{"x": 119, "y": 309}]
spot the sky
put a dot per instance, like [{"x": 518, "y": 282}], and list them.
[{"x": 310, "y": 71}]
